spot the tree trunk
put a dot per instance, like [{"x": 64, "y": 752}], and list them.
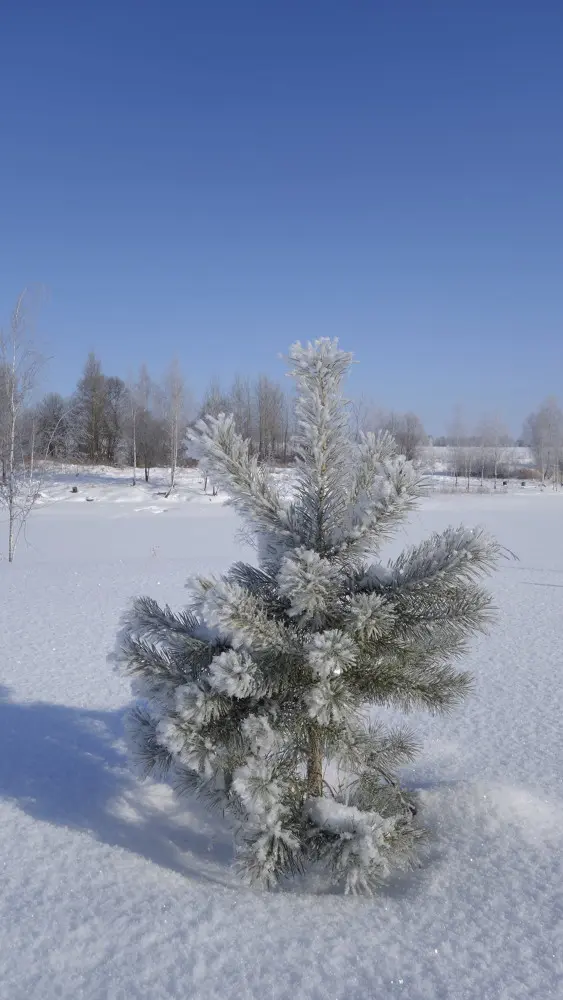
[
  {"x": 32, "y": 455},
  {"x": 11, "y": 472},
  {"x": 173, "y": 455},
  {"x": 314, "y": 762},
  {"x": 134, "y": 449},
  {"x": 10, "y": 487},
  {"x": 11, "y": 541}
]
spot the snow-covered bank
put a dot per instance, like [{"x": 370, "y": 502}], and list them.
[{"x": 112, "y": 889}]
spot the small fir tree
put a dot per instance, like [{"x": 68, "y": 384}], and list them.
[{"x": 257, "y": 697}]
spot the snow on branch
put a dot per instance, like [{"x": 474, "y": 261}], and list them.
[
  {"x": 359, "y": 844},
  {"x": 237, "y": 471},
  {"x": 457, "y": 553},
  {"x": 322, "y": 441}
]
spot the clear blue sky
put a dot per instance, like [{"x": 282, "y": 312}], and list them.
[{"x": 217, "y": 179}]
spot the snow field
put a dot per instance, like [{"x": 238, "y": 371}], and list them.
[{"x": 113, "y": 890}]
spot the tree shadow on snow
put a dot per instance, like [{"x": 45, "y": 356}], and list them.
[{"x": 65, "y": 766}]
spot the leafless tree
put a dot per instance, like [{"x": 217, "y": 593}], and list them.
[
  {"x": 20, "y": 363},
  {"x": 406, "y": 428},
  {"x": 470, "y": 457},
  {"x": 482, "y": 448},
  {"x": 543, "y": 432},
  {"x": 142, "y": 423},
  {"x": 289, "y": 427},
  {"x": 52, "y": 417},
  {"x": 457, "y": 436},
  {"x": 89, "y": 406},
  {"x": 270, "y": 418},
  {"x": 408, "y": 432},
  {"x": 492, "y": 437},
  {"x": 175, "y": 408},
  {"x": 366, "y": 416},
  {"x": 151, "y": 425},
  {"x": 240, "y": 405},
  {"x": 261, "y": 411},
  {"x": 215, "y": 401},
  {"x": 138, "y": 396},
  {"x": 133, "y": 406},
  {"x": 113, "y": 417}
]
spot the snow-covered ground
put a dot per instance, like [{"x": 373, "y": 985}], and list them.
[
  {"x": 115, "y": 485},
  {"x": 112, "y": 890}
]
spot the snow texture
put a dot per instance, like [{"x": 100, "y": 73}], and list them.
[
  {"x": 307, "y": 580},
  {"x": 331, "y": 652},
  {"x": 113, "y": 890}
]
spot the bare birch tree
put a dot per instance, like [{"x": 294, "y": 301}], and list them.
[
  {"x": 134, "y": 411},
  {"x": 543, "y": 432},
  {"x": 270, "y": 418},
  {"x": 408, "y": 432},
  {"x": 366, "y": 416},
  {"x": 457, "y": 436},
  {"x": 89, "y": 407},
  {"x": 138, "y": 393},
  {"x": 240, "y": 405},
  {"x": 175, "y": 405},
  {"x": 470, "y": 456},
  {"x": 261, "y": 412},
  {"x": 52, "y": 416},
  {"x": 20, "y": 363},
  {"x": 142, "y": 431},
  {"x": 493, "y": 438}
]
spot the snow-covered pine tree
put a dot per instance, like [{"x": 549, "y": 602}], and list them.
[{"x": 257, "y": 697}]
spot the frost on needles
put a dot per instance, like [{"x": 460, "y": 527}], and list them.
[{"x": 258, "y": 696}]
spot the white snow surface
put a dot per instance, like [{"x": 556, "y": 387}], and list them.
[{"x": 112, "y": 889}]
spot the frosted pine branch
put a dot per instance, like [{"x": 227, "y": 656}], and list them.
[
  {"x": 322, "y": 441},
  {"x": 234, "y": 469},
  {"x": 456, "y": 554}
]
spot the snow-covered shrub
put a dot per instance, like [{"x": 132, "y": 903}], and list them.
[{"x": 257, "y": 695}]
